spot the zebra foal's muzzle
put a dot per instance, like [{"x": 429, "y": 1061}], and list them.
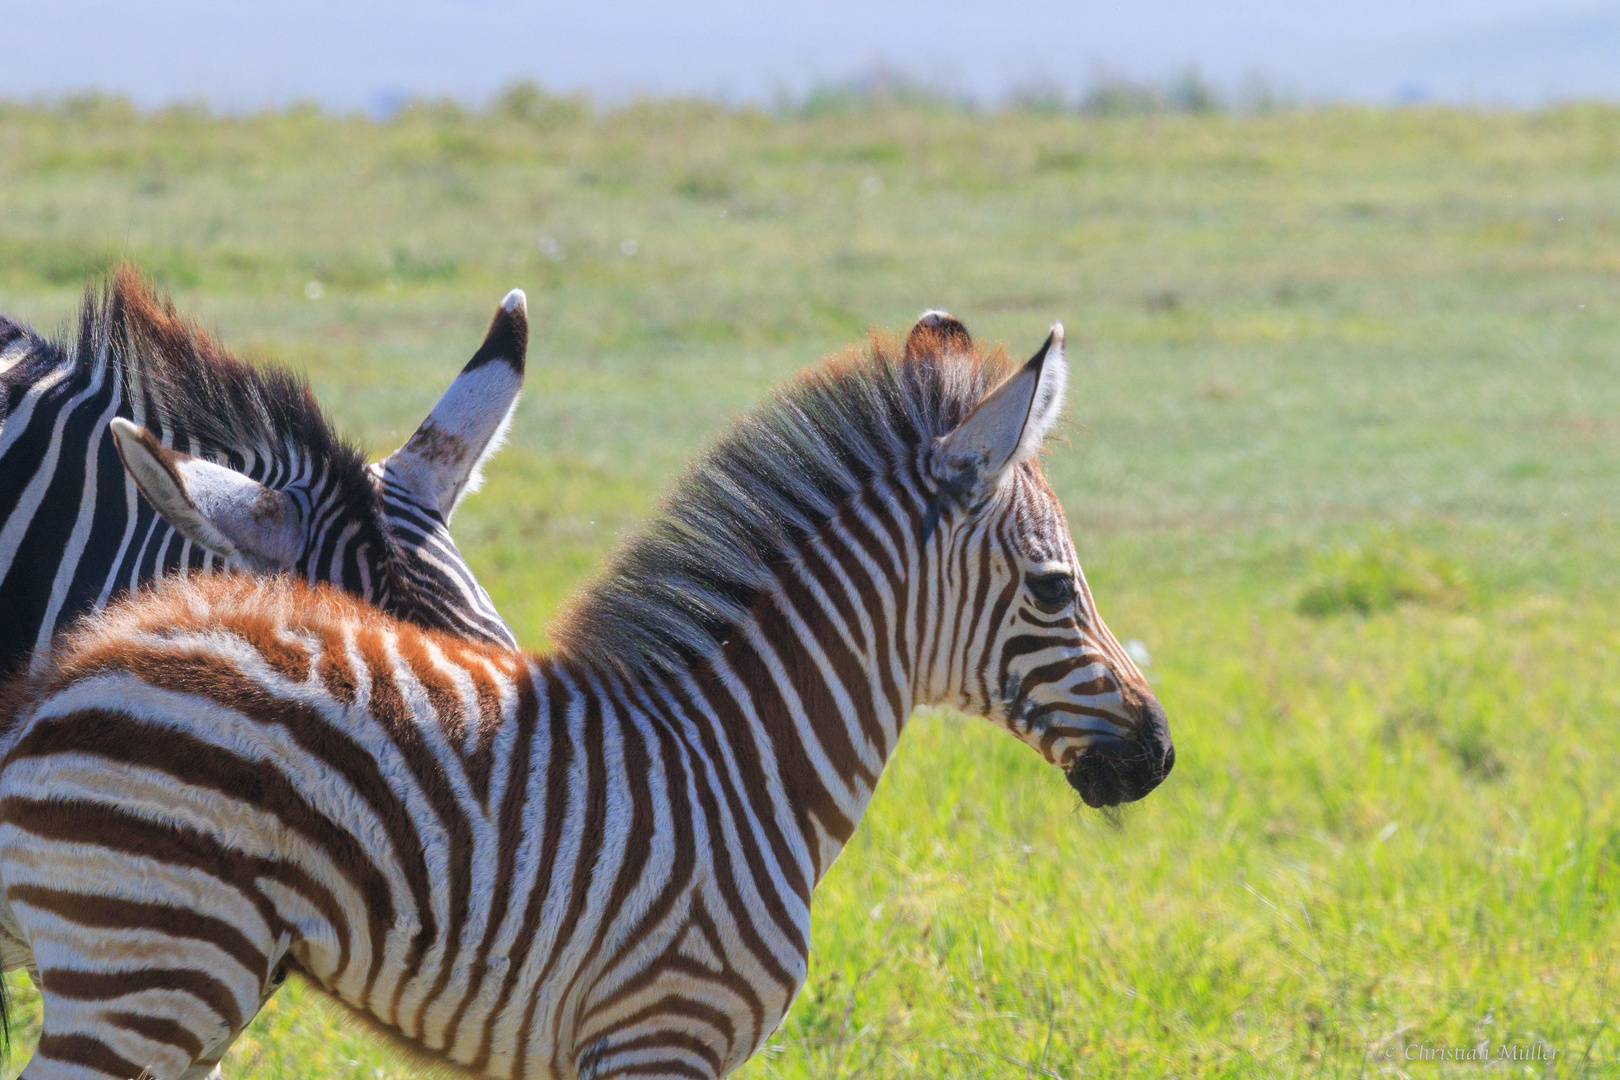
[{"x": 1116, "y": 769}]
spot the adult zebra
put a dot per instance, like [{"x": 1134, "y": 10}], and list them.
[
  {"x": 286, "y": 492},
  {"x": 592, "y": 864}
]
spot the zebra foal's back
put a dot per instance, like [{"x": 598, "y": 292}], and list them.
[{"x": 439, "y": 833}]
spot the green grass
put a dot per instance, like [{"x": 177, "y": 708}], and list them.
[{"x": 1345, "y": 457}]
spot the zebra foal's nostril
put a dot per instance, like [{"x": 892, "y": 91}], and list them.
[{"x": 1121, "y": 769}]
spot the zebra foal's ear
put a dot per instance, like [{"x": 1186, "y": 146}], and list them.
[
  {"x": 937, "y": 331},
  {"x": 235, "y": 517},
  {"x": 443, "y": 460},
  {"x": 1009, "y": 424}
]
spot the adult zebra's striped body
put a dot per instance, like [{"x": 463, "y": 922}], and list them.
[
  {"x": 76, "y": 531},
  {"x": 596, "y": 863}
]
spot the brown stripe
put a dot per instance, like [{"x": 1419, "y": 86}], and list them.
[
  {"x": 68, "y": 821},
  {"x": 89, "y": 1052},
  {"x": 662, "y": 1068},
  {"x": 725, "y": 876},
  {"x": 742, "y": 924},
  {"x": 657, "y": 1041},
  {"x": 560, "y": 754},
  {"x": 754, "y": 791},
  {"x": 812, "y": 558},
  {"x": 800, "y": 782},
  {"x": 991, "y": 639},
  {"x": 158, "y": 1029},
  {"x": 335, "y": 670},
  {"x": 449, "y": 706},
  {"x": 683, "y": 858},
  {"x": 991, "y": 629},
  {"x": 195, "y": 763},
  {"x": 208, "y": 676},
  {"x": 738, "y": 736},
  {"x": 810, "y": 686},
  {"x": 1070, "y": 708},
  {"x": 703, "y": 922},
  {"x": 1061, "y": 669},
  {"x": 108, "y": 913},
  {"x": 929, "y": 585},
  {"x": 1022, "y": 645},
  {"x": 903, "y": 492},
  {"x": 900, "y": 584},
  {"x": 509, "y": 838},
  {"x": 872, "y": 602},
  {"x": 1062, "y": 622},
  {"x": 590, "y": 847},
  {"x": 637, "y": 849},
  {"x": 286, "y": 658},
  {"x": 480, "y": 761},
  {"x": 395, "y": 716},
  {"x": 671, "y": 963},
  {"x": 847, "y": 668},
  {"x": 442, "y": 693},
  {"x": 739, "y": 739},
  {"x": 637, "y": 854},
  {"x": 106, "y": 986},
  {"x": 965, "y": 618}
]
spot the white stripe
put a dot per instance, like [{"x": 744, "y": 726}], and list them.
[
  {"x": 68, "y": 568},
  {"x": 22, "y": 515}
]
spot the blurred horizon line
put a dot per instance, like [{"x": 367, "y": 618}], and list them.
[
  {"x": 362, "y": 55},
  {"x": 882, "y": 86}
]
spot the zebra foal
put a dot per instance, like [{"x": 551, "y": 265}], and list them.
[
  {"x": 267, "y": 485},
  {"x": 594, "y": 863}
]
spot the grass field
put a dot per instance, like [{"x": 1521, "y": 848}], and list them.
[{"x": 1345, "y": 456}]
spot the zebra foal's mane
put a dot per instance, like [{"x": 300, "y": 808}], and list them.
[{"x": 769, "y": 483}]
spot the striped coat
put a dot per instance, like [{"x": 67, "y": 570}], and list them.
[
  {"x": 597, "y": 863},
  {"x": 272, "y": 487}
]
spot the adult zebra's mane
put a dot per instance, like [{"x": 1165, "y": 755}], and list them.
[
  {"x": 669, "y": 595},
  {"x": 191, "y": 384}
]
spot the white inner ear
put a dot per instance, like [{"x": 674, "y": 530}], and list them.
[
  {"x": 1047, "y": 408},
  {"x": 1009, "y": 425},
  {"x": 235, "y": 517},
  {"x": 443, "y": 461}
]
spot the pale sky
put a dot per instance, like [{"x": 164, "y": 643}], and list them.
[{"x": 347, "y": 54}]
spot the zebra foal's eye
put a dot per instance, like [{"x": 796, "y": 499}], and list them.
[{"x": 1052, "y": 592}]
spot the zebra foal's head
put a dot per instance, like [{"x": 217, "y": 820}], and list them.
[
  {"x": 905, "y": 484},
  {"x": 311, "y": 507},
  {"x": 1028, "y": 648}
]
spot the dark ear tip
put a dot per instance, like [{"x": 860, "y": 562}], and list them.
[
  {"x": 508, "y": 337},
  {"x": 937, "y": 331},
  {"x": 1053, "y": 337}
]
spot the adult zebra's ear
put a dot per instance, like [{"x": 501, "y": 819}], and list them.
[
  {"x": 234, "y": 516},
  {"x": 1008, "y": 426},
  {"x": 443, "y": 460}
]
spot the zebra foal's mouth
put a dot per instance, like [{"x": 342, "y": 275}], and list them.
[{"x": 1113, "y": 770}]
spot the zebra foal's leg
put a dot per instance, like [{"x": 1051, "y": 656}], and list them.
[
  {"x": 657, "y": 1058},
  {"x": 209, "y": 1067},
  {"x": 154, "y": 973},
  {"x": 135, "y": 1002}
]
